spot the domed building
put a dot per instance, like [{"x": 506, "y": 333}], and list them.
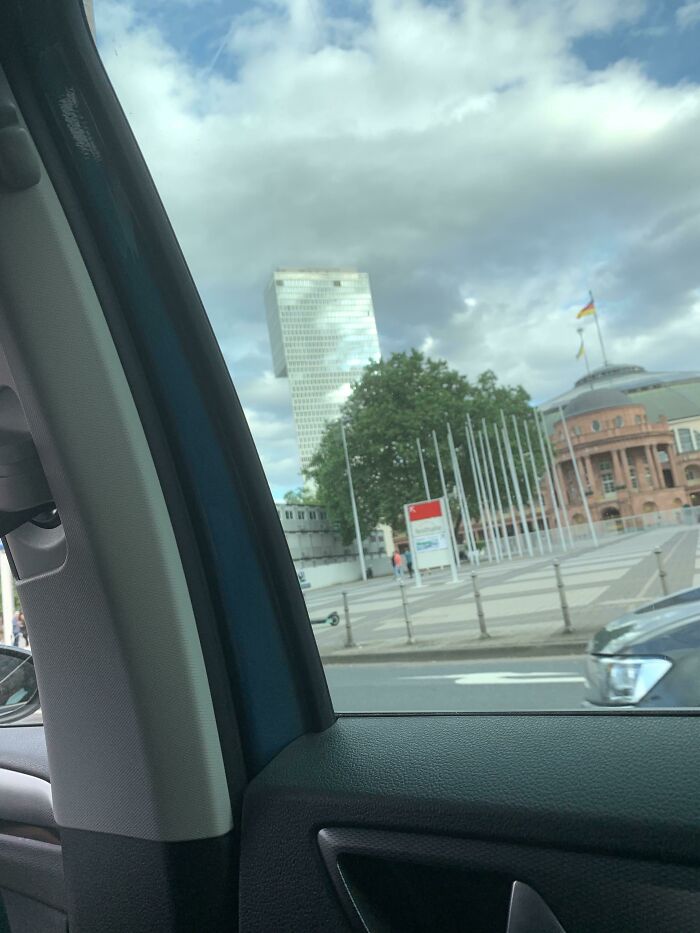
[
  {"x": 625, "y": 450},
  {"x": 673, "y": 396}
]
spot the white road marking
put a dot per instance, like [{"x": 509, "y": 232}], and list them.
[{"x": 504, "y": 678}]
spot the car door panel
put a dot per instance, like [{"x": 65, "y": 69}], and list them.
[
  {"x": 31, "y": 864},
  {"x": 594, "y": 813}
]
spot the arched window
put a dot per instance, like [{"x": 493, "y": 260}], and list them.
[
  {"x": 595, "y": 424},
  {"x": 649, "y": 507},
  {"x": 619, "y": 421}
]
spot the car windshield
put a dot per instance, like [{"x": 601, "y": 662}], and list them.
[{"x": 449, "y": 250}]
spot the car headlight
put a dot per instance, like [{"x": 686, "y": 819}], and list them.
[{"x": 624, "y": 681}]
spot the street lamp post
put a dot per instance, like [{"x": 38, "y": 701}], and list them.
[{"x": 358, "y": 537}]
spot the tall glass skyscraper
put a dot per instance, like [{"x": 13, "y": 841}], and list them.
[{"x": 323, "y": 334}]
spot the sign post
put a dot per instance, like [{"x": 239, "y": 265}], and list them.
[{"x": 412, "y": 545}]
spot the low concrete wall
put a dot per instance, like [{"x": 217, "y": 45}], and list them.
[{"x": 346, "y": 571}]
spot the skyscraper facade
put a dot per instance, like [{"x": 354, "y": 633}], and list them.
[{"x": 323, "y": 334}]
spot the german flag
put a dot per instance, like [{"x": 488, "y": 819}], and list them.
[{"x": 589, "y": 309}]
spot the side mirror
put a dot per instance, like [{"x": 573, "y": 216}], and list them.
[{"x": 19, "y": 693}]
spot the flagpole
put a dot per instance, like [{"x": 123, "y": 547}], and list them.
[
  {"x": 488, "y": 512},
  {"x": 360, "y": 550},
  {"x": 455, "y": 472},
  {"x": 503, "y": 538},
  {"x": 466, "y": 517},
  {"x": 497, "y": 491},
  {"x": 516, "y": 486},
  {"x": 600, "y": 335},
  {"x": 552, "y": 493},
  {"x": 509, "y": 498},
  {"x": 582, "y": 491},
  {"x": 455, "y": 552},
  {"x": 538, "y": 486},
  {"x": 579, "y": 330},
  {"x": 479, "y": 499},
  {"x": 422, "y": 469},
  {"x": 544, "y": 440},
  {"x": 528, "y": 488}
]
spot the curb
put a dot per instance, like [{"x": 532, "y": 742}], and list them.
[{"x": 462, "y": 653}]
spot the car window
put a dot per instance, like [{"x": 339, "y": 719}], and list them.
[{"x": 448, "y": 250}]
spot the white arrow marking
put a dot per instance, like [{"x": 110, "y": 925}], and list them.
[{"x": 493, "y": 678}]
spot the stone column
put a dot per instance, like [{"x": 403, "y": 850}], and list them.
[
  {"x": 559, "y": 467},
  {"x": 653, "y": 466},
  {"x": 617, "y": 468},
  {"x": 626, "y": 469},
  {"x": 592, "y": 478},
  {"x": 674, "y": 465}
]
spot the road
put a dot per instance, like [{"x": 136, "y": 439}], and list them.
[{"x": 462, "y": 686}]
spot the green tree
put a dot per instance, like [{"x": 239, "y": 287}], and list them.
[{"x": 396, "y": 401}]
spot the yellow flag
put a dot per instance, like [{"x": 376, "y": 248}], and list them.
[{"x": 589, "y": 309}]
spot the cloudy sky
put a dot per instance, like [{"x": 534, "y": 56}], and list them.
[{"x": 486, "y": 161}]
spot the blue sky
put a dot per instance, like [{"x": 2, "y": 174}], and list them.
[
  {"x": 664, "y": 39},
  {"x": 486, "y": 161}
]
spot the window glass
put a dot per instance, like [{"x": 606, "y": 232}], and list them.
[
  {"x": 607, "y": 476},
  {"x": 433, "y": 238}
]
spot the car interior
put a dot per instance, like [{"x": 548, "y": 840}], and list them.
[{"x": 190, "y": 773}]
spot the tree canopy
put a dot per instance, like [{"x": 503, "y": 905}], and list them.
[{"x": 396, "y": 401}]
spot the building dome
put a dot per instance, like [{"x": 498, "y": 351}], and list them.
[
  {"x": 611, "y": 373},
  {"x": 674, "y": 396},
  {"x": 596, "y": 400}
]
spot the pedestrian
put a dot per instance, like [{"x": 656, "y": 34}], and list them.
[
  {"x": 397, "y": 564},
  {"x": 16, "y": 629},
  {"x": 23, "y": 629},
  {"x": 409, "y": 562}
]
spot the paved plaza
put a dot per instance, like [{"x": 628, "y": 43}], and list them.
[{"x": 520, "y": 600}]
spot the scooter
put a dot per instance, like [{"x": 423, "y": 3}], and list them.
[{"x": 332, "y": 619}]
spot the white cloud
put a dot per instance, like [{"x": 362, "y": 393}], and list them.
[
  {"x": 688, "y": 14},
  {"x": 450, "y": 150}
]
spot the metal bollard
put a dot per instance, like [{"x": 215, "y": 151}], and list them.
[
  {"x": 562, "y": 599},
  {"x": 349, "y": 640},
  {"x": 663, "y": 576},
  {"x": 479, "y": 607},
  {"x": 409, "y": 640}
]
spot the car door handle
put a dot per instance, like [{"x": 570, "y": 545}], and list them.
[{"x": 528, "y": 913}]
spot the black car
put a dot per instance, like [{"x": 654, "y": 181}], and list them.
[{"x": 649, "y": 657}]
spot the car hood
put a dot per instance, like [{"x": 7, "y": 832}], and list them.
[{"x": 661, "y": 632}]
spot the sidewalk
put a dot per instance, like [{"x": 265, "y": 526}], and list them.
[
  {"x": 523, "y": 641},
  {"x": 521, "y": 605}
]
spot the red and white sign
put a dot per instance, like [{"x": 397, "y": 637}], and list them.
[
  {"x": 428, "y": 526},
  {"x": 419, "y": 511}
]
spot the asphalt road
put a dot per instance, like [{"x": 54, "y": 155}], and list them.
[{"x": 460, "y": 686}]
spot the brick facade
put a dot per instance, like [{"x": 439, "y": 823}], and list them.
[{"x": 627, "y": 464}]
